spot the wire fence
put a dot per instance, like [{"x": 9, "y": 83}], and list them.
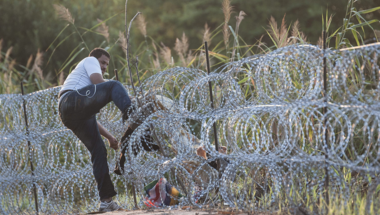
[{"x": 288, "y": 140}]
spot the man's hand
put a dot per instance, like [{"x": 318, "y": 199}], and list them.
[
  {"x": 223, "y": 149},
  {"x": 201, "y": 152},
  {"x": 111, "y": 139},
  {"x": 113, "y": 143}
]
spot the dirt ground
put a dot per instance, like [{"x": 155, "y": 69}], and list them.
[
  {"x": 189, "y": 211},
  {"x": 181, "y": 212}
]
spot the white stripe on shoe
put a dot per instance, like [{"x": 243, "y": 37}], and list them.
[{"x": 109, "y": 206}]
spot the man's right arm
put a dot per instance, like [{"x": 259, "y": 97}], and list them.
[
  {"x": 96, "y": 78},
  {"x": 92, "y": 67}
]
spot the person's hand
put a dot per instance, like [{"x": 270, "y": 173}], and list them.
[
  {"x": 223, "y": 149},
  {"x": 202, "y": 152},
  {"x": 113, "y": 143}
]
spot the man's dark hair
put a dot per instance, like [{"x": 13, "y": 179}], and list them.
[{"x": 98, "y": 52}]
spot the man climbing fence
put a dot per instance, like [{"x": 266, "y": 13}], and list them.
[{"x": 83, "y": 94}]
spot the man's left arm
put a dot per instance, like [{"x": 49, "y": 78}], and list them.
[{"x": 111, "y": 139}]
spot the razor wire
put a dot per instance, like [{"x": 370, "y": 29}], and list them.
[{"x": 268, "y": 112}]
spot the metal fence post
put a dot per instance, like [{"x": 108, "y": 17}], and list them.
[
  {"x": 325, "y": 117},
  {"x": 211, "y": 97},
  {"x": 29, "y": 150},
  {"x": 133, "y": 184}
]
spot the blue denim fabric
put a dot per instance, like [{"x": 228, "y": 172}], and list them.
[{"x": 77, "y": 113}]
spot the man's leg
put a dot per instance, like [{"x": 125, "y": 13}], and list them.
[
  {"x": 78, "y": 114},
  {"x": 88, "y": 133},
  {"x": 92, "y": 98}
]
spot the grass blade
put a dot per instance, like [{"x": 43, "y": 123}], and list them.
[
  {"x": 369, "y": 10},
  {"x": 57, "y": 36},
  {"x": 76, "y": 54}
]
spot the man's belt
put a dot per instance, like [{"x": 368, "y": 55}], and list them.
[{"x": 63, "y": 92}]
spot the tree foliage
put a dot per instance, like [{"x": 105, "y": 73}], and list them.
[{"x": 30, "y": 26}]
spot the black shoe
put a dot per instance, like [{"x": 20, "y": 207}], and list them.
[{"x": 130, "y": 110}]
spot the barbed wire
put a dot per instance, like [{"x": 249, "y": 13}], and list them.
[{"x": 269, "y": 114}]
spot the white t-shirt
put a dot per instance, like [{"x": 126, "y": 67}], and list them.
[{"x": 80, "y": 76}]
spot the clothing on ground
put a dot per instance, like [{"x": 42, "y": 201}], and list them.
[{"x": 160, "y": 192}]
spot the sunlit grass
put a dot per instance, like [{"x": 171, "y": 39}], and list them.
[{"x": 154, "y": 57}]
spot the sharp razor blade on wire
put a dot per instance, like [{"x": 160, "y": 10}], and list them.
[{"x": 274, "y": 134}]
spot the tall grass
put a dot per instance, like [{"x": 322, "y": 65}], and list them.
[{"x": 155, "y": 56}]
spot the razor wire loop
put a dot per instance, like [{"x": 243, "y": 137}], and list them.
[{"x": 271, "y": 123}]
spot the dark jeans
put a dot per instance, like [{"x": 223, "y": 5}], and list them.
[{"x": 77, "y": 113}]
